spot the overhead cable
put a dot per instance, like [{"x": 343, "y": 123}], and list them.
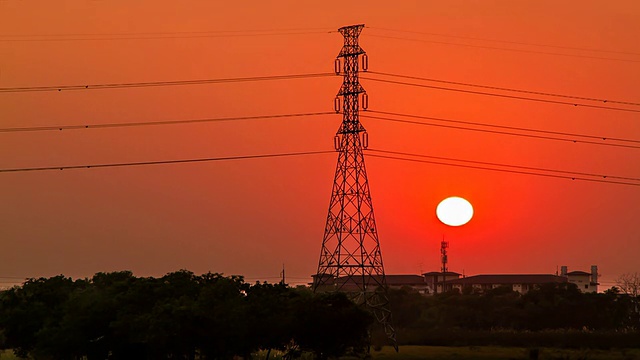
[
  {"x": 505, "y": 41},
  {"x": 508, "y": 127},
  {"x": 507, "y": 89},
  {"x": 156, "y": 123},
  {"x": 161, "y": 83},
  {"x": 501, "y": 132},
  {"x": 502, "y": 48},
  {"x": 499, "y": 95},
  {"x": 388, "y": 155},
  {"x": 525, "y": 170},
  {"x": 165, "y": 162},
  {"x": 157, "y": 35}
]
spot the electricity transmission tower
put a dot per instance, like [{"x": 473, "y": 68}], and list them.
[{"x": 350, "y": 259}]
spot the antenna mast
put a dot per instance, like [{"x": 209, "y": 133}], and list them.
[
  {"x": 443, "y": 254},
  {"x": 444, "y": 245}
]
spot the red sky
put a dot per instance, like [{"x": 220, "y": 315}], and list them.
[{"x": 250, "y": 216}]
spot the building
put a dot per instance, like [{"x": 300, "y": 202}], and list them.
[
  {"x": 586, "y": 282},
  {"x": 521, "y": 283},
  {"x": 415, "y": 282},
  {"x": 437, "y": 282}
]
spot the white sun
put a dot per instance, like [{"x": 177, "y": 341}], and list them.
[{"x": 454, "y": 211}]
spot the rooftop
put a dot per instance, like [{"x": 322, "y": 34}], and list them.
[
  {"x": 434, "y": 273},
  {"x": 404, "y": 279},
  {"x": 577, "y": 272},
  {"x": 391, "y": 280},
  {"x": 509, "y": 279}
]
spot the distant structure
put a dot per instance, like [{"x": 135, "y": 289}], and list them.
[
  {"x": 443, "y": 254},
  {"x": 437, "y": 282},
  {"x": 444, "y": 245},
  {"x": 350, "y": 258},
  {"x": 521, "y": 283},
  {"x": 586, "y": 282},
  {"x": 416, "y": 282}
]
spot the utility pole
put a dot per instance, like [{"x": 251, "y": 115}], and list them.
[{"x": 350, "y": 259}]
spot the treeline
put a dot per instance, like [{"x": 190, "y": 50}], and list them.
[
  {"x": 178, "y": 316},
  {"x": 185, "y": 316},
  {"x": 551, "y": 315}
]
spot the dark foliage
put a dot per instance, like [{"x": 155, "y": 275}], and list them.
[
  {"x": 329, "y": 325},
  {"x": 185, "y": 316},
  {"x": 551, "y": 306},
  {"x": 551, "y": 315},
  {"x": 179, "y": 316}
]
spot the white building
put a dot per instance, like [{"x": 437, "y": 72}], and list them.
[
  {"x": 586, "y": 282},
  {"x": 521, "y": 283},
  {"x": 438, "y": 282}
]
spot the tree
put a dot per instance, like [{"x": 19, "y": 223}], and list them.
[
  {"x": 330, "y": 325},
  {"x": 629, "y": 283},
  {"x": 407, "y": 307},
  {"x": 553, "y": 306},
  {"x": 270, "y": 314},
  {"x": 30, "y": 314},
  {"x": 220, "y": 315}
]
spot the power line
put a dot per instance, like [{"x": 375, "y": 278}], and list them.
[
  {"x": 277, "y": 277},
  {"x": 250, "y": 31},
  {"x": 164, "y": 162},
  {"x": 262, "y": 156},
  {"x": 150, "y": 36},
  {"x": 257, "y": 117},
  {"x": 508, "y": 89},
  {"x": 501, "y": 48},
  {"x": 293, "y": 279},
  {"x": 505, "y": 41},
  {"x": 161, "y": 83},
  {"x": 498, "y": 132},
  {"x": 480, "y": 167},
  {"x": 509, "y": 127},
  {"x": 156, "y": 123},
  {"x": 544, "y": 137},
  {"x": 500, "y": 95},
  {"x": 510, "y": 166}
]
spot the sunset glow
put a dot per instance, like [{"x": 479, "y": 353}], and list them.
[{"x": 501, "y": 102}]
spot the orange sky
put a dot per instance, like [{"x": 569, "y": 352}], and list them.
[{"x": 250, "y": 216}]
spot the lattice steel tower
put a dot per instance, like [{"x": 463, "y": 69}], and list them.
[{"x": 350, "y": 259}]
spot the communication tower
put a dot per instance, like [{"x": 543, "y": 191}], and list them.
[
  {"x": 444, "y": 245},
  {"x": 350, "y": 259}
]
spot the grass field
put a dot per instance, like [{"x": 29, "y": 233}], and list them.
[
  {"x": 499, "y": 353},
  {"x": 8, "y": 355},
  {"x": 475, "y": 353}
]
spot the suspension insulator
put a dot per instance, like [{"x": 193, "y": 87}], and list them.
[
  {"x": 365, "y": 62},
  {"x": 336, "y": 142},
  {"x": 365, "y": 140},
  {"x": 336, "y": 66},
  {"x": 365, "y": 101},
  {"x": 336, "y": 104}
]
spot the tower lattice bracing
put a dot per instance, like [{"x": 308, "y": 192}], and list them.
[{"x": 350, "y": 259}]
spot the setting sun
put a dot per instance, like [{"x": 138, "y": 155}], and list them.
[{"x": 454, "y": 211}]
